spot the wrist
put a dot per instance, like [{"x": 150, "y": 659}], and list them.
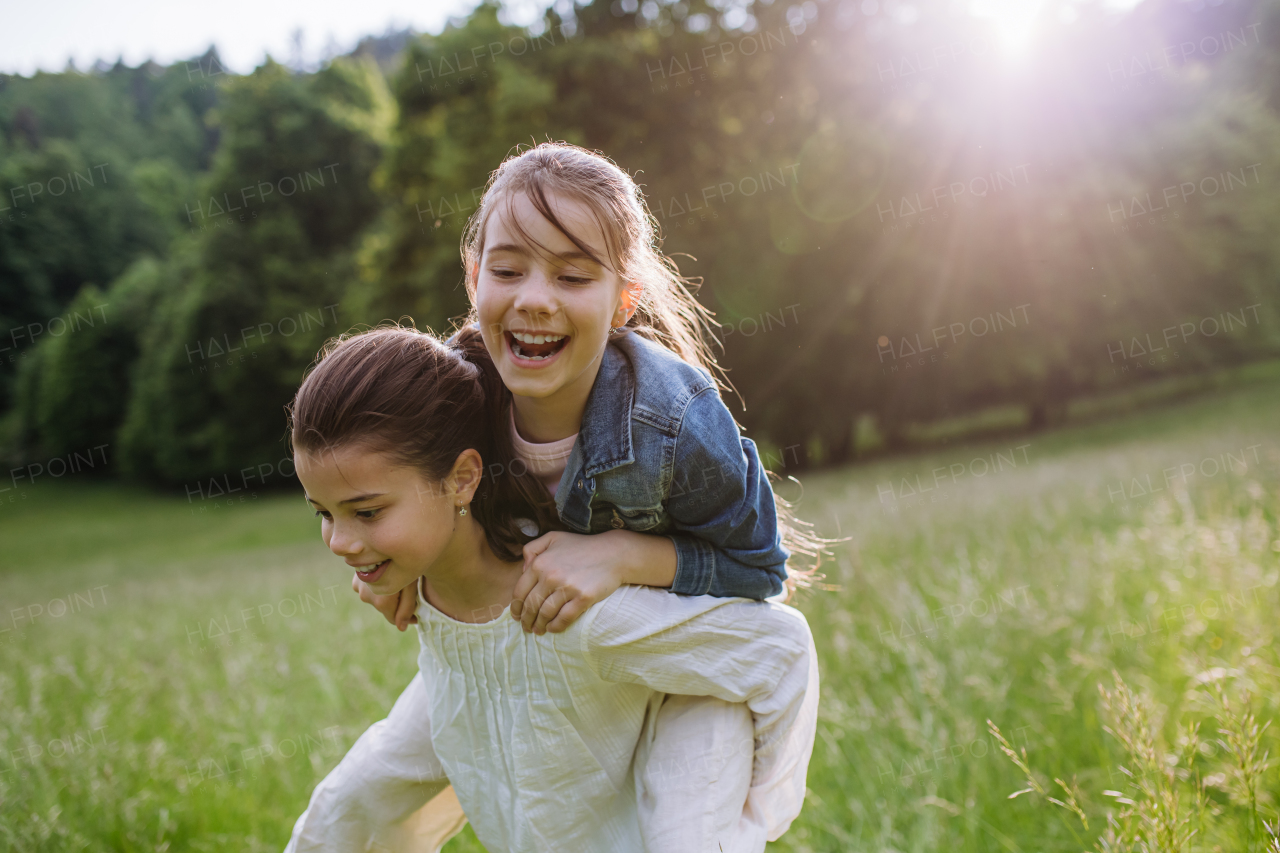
[
  {"x": 642, "y": 558},
  {"x": 622, "y": 551}
]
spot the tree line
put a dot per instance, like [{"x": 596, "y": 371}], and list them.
[{"x": 898, "y": 215}]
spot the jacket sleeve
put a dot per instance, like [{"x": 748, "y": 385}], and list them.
[{"x": 726, "y": 527}]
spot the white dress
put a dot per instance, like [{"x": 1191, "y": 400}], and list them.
[{"x": 550, "y": 742}]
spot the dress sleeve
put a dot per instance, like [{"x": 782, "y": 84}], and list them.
[
  {"x": 760, "y": 653},
  {"x": 389, "y": 793},
  {"x": 721, "y": 503}
]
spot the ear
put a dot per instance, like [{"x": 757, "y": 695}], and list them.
[
  {"x": 464, "y": 478},
  {"x": 628, "y": 300}
]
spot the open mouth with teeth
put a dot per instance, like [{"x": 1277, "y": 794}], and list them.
[
  {"x": 535, "y": 347},
  {"x": 373, "y": 572}
]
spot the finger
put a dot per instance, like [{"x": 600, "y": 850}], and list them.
[
  {"x": 386, "y": 605},
  {"x": 408, "y": 604},
  {"x": 355, "y": 582},
  {"x": 535, "y": 547},
  {"x": 550, "y": 608},
  {"x": 524, "y": 586},
  {"x": 535, "y": 600},
  {"x": 568, "y": 615}
]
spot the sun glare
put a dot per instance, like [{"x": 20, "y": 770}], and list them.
[{"x": 1013, "y": 23}]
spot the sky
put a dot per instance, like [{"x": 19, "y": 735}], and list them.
[{"x": 42, "y": 34}]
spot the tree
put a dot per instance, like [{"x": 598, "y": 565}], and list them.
[{"x": 264, "y": 279}]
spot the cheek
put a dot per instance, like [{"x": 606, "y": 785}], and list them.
[
  {"x": 594, "y": 319},
  {"x": 487, "y": 300}
]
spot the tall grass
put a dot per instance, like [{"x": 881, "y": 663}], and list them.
[
  {"x": 191, "y": 707},
  {"x": 1012, "y": 597}
]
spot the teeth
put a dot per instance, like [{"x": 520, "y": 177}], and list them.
[
  {"x": 527, "y": 357},
  {"x": 536, "y": 339}
]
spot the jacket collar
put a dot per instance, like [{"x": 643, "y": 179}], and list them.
[{"x": 605, "y": 438}]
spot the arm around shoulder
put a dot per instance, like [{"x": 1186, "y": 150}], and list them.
[{"x": 734, "y": 650}]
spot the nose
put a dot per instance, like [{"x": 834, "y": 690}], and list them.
[
  {"x": 343, "y": 542},
  {"x": 536, "y": 296}
]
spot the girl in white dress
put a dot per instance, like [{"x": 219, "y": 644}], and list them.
[{"x": 546, "y": 739}]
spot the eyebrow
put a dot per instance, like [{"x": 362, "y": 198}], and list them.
[
  {"x": 356, "y": 499},
  {"x": 521, "y": 250}
]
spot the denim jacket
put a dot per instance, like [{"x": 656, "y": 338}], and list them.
[{"x": 659, "y": 452}]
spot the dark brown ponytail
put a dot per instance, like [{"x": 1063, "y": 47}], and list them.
[
  {"x": 517, "y": 494},
  {"x": 406, "y": 393}
]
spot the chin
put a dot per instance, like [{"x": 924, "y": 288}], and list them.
[
  {"x": 534, "y": 389},
  {"x": 391, "y": 586}
]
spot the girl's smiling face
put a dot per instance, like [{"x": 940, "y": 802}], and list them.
[
  {"x": 545, "y": 310},
  {"x": 388, "y": 521}
]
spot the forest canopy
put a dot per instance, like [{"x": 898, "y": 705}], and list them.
[{"x": 898, "y": 214}]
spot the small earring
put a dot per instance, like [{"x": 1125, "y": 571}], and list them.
[{"x": 462, "y": 510}]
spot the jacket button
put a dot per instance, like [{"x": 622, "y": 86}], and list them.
[
  {"x": 579, "y": 484},
  {"x": 618, "y": 523}
]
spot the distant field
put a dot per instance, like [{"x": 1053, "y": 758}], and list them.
[{"x": 178, "y": 679}]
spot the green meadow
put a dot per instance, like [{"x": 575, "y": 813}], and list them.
[{"x": 177, "y": 674}]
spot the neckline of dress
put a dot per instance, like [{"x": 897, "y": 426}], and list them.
[{"x": 437, "y": 615}]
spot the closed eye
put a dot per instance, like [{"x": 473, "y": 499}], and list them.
[{"x": 366, "y": 514}]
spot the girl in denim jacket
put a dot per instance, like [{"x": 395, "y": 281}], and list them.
[
  {"x": 614, "y": 403},
  {"x": 615, "y": 409}
]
